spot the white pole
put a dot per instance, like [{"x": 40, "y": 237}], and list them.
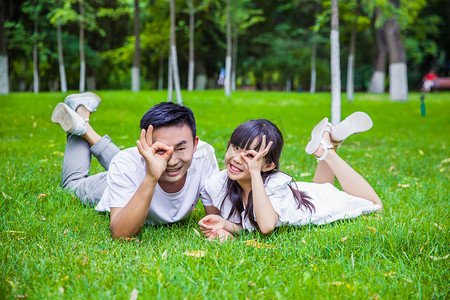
[
  {"x": 335, "y": 66},
  {"x": 176, "y": 76}
]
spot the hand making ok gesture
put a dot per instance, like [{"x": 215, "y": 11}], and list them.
[
  {"x": 255, "y": 159},
  {"x": 156, "y": 154}
]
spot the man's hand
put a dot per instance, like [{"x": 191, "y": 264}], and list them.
[{"x": 156, "y": 155}]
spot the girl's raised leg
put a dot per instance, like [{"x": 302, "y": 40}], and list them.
[
  {"x": 350, "y": 180},
  {"x": 323, "y": 173}
]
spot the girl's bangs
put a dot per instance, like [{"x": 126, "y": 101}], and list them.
[{"x": 245, "y": 134}]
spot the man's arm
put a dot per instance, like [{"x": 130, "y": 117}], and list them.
[
  {"x": 128, "y": 220},
  {"x": 211, "y": 210}
]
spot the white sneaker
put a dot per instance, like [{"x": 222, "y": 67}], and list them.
[
  {"x": 88, "y": 100},
  {"x": 69, "y": 120},
  {"x": 357, "y": 122}
]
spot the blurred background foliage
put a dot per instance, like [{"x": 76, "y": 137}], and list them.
[{"x": 274, "y": 41}]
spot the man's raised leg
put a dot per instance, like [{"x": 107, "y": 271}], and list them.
[{"x": 80, "y": 145}]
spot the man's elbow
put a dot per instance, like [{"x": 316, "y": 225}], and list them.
[
  {"x": 115, "y": 233},
  {"x": 119, "y": 234}
]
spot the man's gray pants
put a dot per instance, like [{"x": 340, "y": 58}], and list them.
[{"x": 76, "y": 165}]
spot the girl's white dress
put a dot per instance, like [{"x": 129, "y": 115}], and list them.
[{"x": 330, "y": 203}]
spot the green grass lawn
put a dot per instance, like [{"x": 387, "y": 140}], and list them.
[{"x": 51, "y": 246}]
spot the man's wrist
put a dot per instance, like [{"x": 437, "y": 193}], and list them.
[{"x": 150, "y": 179}]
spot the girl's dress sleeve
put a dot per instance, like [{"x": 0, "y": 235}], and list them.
[{"x": 281, "y": 197}]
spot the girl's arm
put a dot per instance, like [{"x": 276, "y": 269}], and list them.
[
  {"x": 265, "y": 215},
  {"x": 221, "y": 234}
]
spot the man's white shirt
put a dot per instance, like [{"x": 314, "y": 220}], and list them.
[{"x": 127, "y": 171}]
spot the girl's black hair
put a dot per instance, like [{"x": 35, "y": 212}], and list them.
[{"x": 242, "y": 137}]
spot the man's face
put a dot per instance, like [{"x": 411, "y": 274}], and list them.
[{"x": 184, "y": 146}]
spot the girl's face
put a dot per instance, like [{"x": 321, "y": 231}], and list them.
[{"x": 237, "y": 168}]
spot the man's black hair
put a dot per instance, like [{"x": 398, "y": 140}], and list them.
[{"x": 169, "y": 114}]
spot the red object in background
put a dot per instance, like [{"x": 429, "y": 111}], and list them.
[{"x": 430, "y": 76}]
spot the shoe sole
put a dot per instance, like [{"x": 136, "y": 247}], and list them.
[
  {"x": 355, "y": 123},
  {"x": 62, "y": 116},
  {"x": 88, "y": 96},
  {"x": 316, "y": 136}
]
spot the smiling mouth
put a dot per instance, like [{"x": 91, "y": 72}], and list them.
[
  {"x": 234, "y": 169},
  {"x": 173, "y": 172}
]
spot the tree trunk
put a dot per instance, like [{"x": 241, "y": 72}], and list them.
[
  {"x": 350, "y": 64},
  {"x": 82, "y": 59},
  {"x": 288, "y": 84},
  {"x": 379, "y": 75},
  {"x": 62, "y": 70},
  {"x": 170, "y": 78},
  {"x": 228, "y": 58},
  {"x": 35, "y": 52},
  {"x": 335, "y": 65},
  {"x": 398, "y": 81},
  {"x": 4, "y": 74},
  {"x": 234, "y": 62},
  {"x": 312, "y": 88},
  {"x": 91, "y": 82},
  {"x": 173, "y": 52},
  {"x": 191, "y": 46},
  {"x": 161, "y": 72},
  {"x": 176, "y": 76},
  {"x": 201, "y": 80},
  {"x": 135, "y": 71}
]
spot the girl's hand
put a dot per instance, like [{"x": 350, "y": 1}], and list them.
[
  {"x": 156, "y": 155},
  {"x": 211, "y": 224},
  {"x": 255, "y": 159},
  {"x": 221, "y": 234}
]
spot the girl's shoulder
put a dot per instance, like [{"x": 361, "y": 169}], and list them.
[
  {"x": 219, "y": 176},
  {"x": 215, "y": 185},
  {"x": 277, "y": 181}
]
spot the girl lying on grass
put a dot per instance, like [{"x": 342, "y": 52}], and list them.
[{"x": 253, "y": 194}]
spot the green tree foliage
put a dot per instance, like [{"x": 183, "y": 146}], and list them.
[
  {"x": 21, "y": 38},
  {"x": 274, "y": 40},
  {"x": 286, "y": 47}
]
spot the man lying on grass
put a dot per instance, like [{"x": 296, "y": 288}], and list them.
[{"x": 157, "y": 182}]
